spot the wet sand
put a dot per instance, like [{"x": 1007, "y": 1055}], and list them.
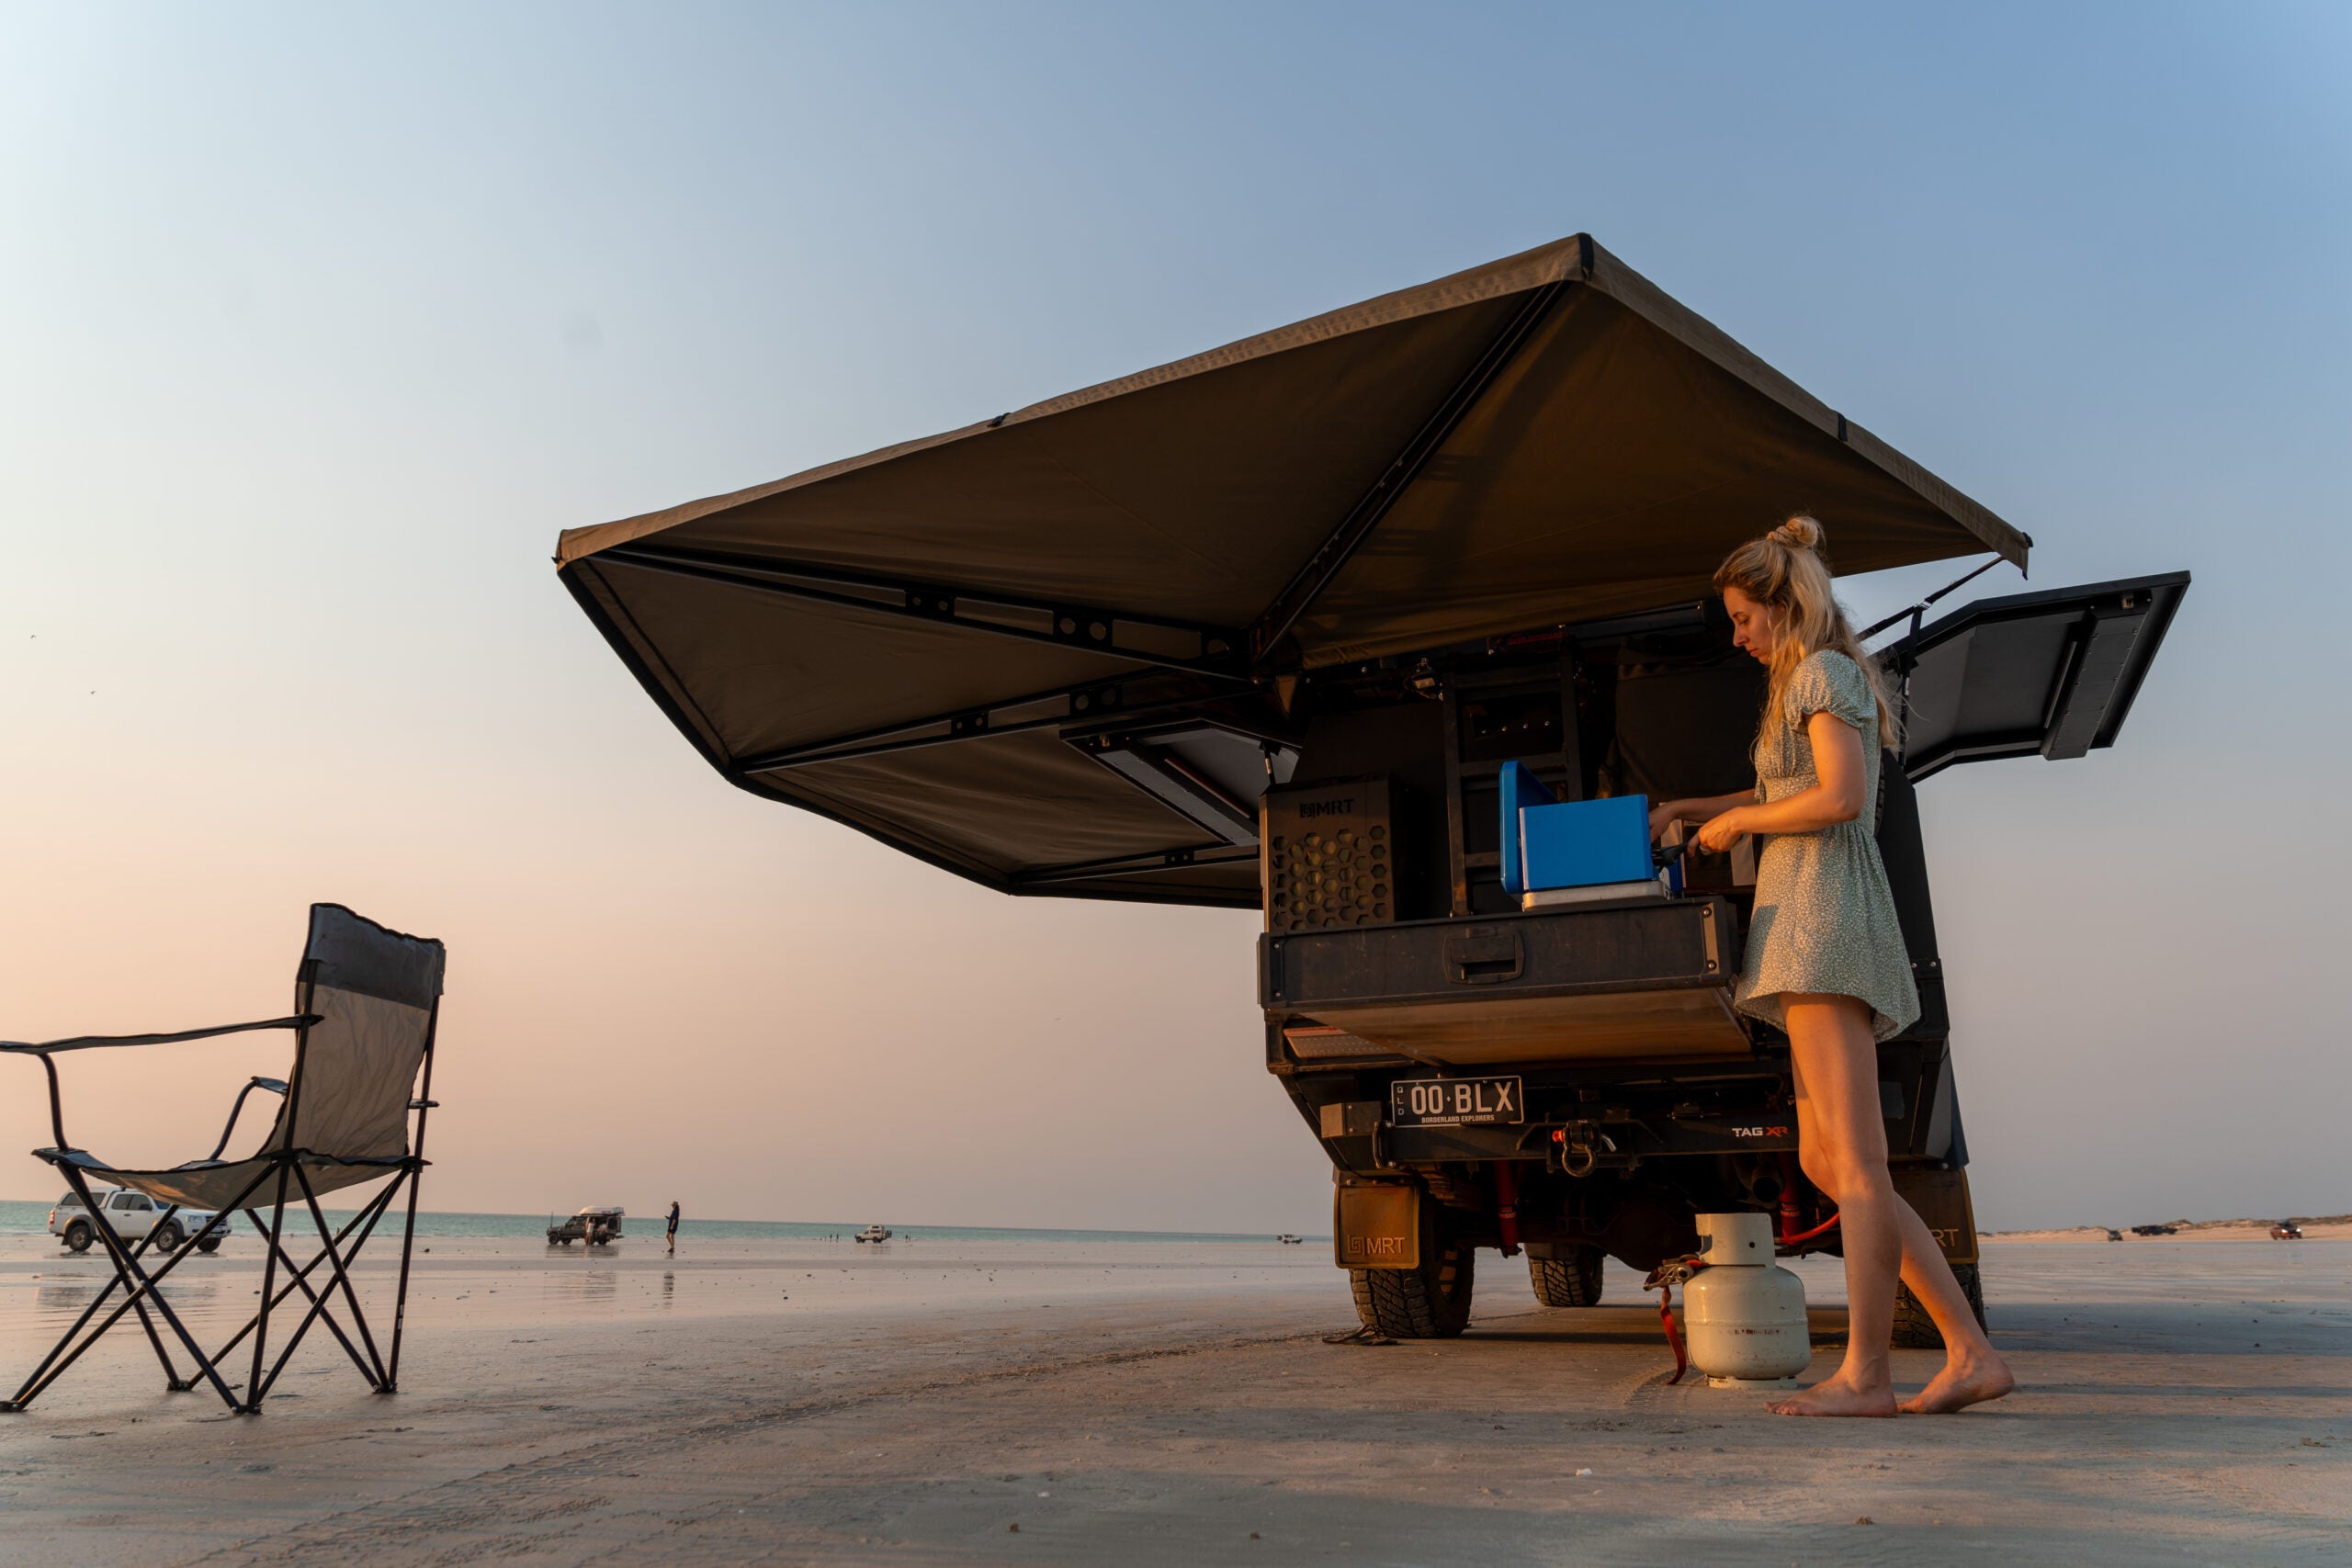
[
  {"x": 2200, "y": 1230},
  {"x": 1150, "y": 1404}
]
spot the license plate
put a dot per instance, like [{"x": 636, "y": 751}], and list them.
[{"x": 1456, "y": 1103}]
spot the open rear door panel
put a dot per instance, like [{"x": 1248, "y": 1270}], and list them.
[{"x": 2049, "y": 674}]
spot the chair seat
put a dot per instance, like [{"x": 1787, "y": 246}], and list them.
[{"x": 213, "y": 1185}]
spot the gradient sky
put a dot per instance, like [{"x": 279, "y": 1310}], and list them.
[{"x": 317, "y": 324}]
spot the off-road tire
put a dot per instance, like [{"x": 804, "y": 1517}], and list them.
[
  {"x": 79, "y": 1236},
  {"x": 1915, "y": 1330},
  {"x": 168, "y": 1237},
  {"x": 1571, "y": 1280},
  {"x": 1432, "y": 1301},
  {"x": 210, "y": 1244}
]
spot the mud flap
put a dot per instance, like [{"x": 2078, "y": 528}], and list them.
[
  {"x": 1940, "y": 1200},
  {"x": 1376, "y": 1226}
]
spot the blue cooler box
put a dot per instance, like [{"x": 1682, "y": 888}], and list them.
[{"x": 1571, "y": 844}]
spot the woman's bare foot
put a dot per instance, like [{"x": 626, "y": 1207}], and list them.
[
  {"x": 1961, "y": 1384},
  {"x": 1835, "y": 1396}
]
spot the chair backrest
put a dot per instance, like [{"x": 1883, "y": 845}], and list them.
[{"x": 375, "y": 992}]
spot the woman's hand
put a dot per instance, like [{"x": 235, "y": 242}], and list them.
[
  {"x": 1697, "y": 808},
  {"x": 1722, "y": 832}
]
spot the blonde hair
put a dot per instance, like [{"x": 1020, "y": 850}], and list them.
[{"x": 1784, "y": 571}]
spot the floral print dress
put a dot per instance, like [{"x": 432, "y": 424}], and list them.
[{"x": 1825, "y": 921}]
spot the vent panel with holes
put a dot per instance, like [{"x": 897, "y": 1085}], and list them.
[{"x": 1330, "y": 856}]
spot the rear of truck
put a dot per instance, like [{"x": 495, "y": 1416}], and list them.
[{"x": 1569, "y": 1081}]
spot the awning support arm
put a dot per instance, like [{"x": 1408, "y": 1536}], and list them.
[
  {"x": 1132, "y": 865},
  {"x": 1061, "y": 626},
  {"x": 1079, "y": 702},
  {"x": 1921, "y": 608},
  {"x": 1276, "y": 621}
]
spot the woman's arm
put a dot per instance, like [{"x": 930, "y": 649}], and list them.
[
  {"x": 1700, "y": 809},
  {"x": 1837, "y": 760}
]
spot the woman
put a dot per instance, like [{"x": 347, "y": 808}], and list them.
[{"x": 1826, "y": 960}]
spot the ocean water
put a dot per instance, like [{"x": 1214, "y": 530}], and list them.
[{"x": 20, "y": 1219}]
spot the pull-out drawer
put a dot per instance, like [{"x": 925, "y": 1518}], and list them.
[{"x": 1625, "y": 981}]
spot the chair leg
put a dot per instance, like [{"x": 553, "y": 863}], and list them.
[
  {"x": 329, "y": 1254},
  {"x": 372, "y": 1213},
  {"x": 126, "y": 1268},
  {"x": 141, "y": 1286},
  {"x": 368, "y": 1217},
  {"x": 408, "y": 1245},
  {"x": 52, "y": 1367},
  {"x": 297, "y": 1278},
  {"x": 414, "y": 1165},
  {"x": 251, "y": 1406},
  {"x": 341, "y": 1278}
]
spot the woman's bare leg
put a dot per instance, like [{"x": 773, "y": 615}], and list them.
[
  {"x": 1842, "y": 1143},
  {"x": 1973, "y": 1371},
  {"x": 1843, "y": 1137}
]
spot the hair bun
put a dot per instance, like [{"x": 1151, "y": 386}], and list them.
[{"x": 1799, "y": 532}]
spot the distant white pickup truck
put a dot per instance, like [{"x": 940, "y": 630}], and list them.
[{"x": 132, "y": 1216}]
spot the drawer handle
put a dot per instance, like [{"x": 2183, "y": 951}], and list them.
[{"x": 1484, "y": 957}]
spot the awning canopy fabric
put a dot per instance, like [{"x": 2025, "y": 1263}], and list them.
[{"x": 897, "y": 640}]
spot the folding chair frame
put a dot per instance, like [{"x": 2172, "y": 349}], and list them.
[{"x": 141, "y": 1288}]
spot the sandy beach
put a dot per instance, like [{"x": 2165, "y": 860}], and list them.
[{"x": 819, "y": 1402}]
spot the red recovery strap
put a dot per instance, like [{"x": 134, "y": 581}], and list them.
[
  {"x": 1663, "y": 1279},
  {"x": 1673, "y": 1334}
]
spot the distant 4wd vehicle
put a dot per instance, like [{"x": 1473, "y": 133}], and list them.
[
  {"x": 1312, "y": 626},
  {"x": 597, "y": 1224},
  {"x": 2286, "y": 1230},
  {"x": 132, "y": 1216}
]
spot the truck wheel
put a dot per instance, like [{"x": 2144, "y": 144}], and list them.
[
  {"x": 1572, "y": 1279},
  {"x": 1432, "y": 1301},
  {"x": 78, "y": 1236},
  {"x": 210, "y": 1244},
  {"x": 168, "y": 1235},
  {"x": 1915, "y": 1330}
]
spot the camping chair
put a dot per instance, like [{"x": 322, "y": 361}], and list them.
[{"x": 366, "y": 1000}]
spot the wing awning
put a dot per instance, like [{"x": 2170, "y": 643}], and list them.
[{"x": 895, "y": 640}]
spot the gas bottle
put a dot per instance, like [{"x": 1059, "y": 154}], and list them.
[{"x": 1742, "y": 1314}]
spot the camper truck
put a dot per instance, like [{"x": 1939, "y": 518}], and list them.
[{"x": 1305, "y": 626}]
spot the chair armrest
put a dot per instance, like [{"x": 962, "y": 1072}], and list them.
[
  {"x": 90, "y": 1041},
  {"x": 275, "y": 1086},
  {"x": 46, "y": 1050}
]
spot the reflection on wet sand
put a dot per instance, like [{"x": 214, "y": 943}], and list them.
[
  {"x": 595, "y": 1286},
  {"x": 56, "y": 1303}
]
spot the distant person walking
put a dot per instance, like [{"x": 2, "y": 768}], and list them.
[
  {"x": 673, "y": 1227},
  {"x": 1826, "y": 960}
]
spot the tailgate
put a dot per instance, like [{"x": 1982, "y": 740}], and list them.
[{"x": 1637, "y": 980}]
